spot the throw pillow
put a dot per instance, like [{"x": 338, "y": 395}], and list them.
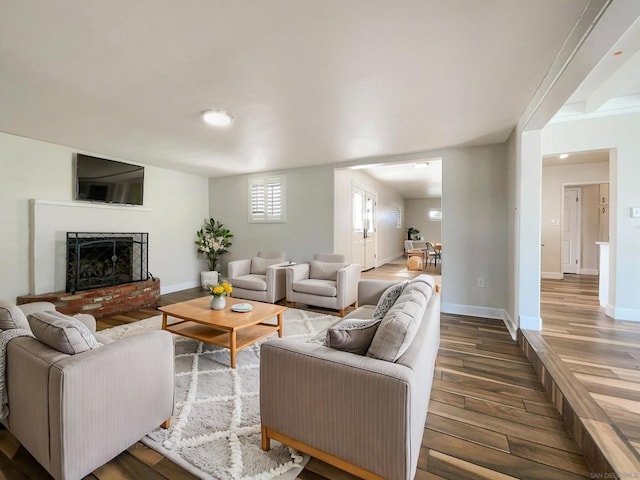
[
  {"x": 399, "y": 326},
  {"x": 259, "y": 265},
  {"x": 61, "y": 332},
  {"x": 325, "y": 270},
  {"x": 12, "y": 317},
  {"x": 387, "y": 299},
  {"x": 352, "y": 335}
]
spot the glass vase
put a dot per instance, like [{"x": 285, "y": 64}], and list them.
[{"x": 217, "y": 303}]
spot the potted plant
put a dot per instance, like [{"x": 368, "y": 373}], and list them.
[
  {"x": 411, "y": 232},
  {"x": 212, "y": 241}
]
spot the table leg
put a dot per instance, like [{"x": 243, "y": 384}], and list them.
[
  {"x": 233, "y": 349},
  {"x": 164, "y": 321},
  {"x": 280, "y": 318}
]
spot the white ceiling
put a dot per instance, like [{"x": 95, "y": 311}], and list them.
[
  {"x": 308, "y": 82},
  {"x": 613, "y": 87},
  {"x": 409, "y": 181},
  {"x": 593, "y": 156}
]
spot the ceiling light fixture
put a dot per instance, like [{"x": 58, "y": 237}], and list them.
[
  {"x": 420, "y": 165},
  {"x": 217, "y": 118},
  {"x": 564, "y": 155}
]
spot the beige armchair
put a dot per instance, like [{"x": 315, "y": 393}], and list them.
[
  {"x": 324, "y": 282},
  {"x": 259, "y": 278},
  {"x": 74, "y": 413}
]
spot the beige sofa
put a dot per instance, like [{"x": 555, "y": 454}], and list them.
[
  {"x": 362, "y": 414},
  {"x": 74, "y": 413}
]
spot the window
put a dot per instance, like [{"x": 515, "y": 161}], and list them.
[
  {"x": 398, "y": 216},
  {"x": 267, "y": 200},
  {"x": 435, "y": 214}
]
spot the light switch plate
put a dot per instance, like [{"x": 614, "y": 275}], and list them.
[{"x": 635, "y": 212}]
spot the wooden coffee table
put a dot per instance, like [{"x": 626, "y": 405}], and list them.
[{"x": 224, "y": 328}]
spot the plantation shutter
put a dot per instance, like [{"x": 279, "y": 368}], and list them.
[
  {"x": 267, "y": 200},
  {"x": 398, "y": 216}
]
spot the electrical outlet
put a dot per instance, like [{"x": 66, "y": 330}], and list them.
[
  {"x": 635, "y": 212},
  {"x": 480, "y": 282}
]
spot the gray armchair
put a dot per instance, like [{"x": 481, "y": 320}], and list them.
[
  {"x": 259, "y": 278},
  {"x": 325, "y": 282}
]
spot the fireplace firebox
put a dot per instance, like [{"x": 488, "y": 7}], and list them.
[{"x": 97, "y": 260}]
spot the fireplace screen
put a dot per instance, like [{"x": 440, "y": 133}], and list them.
[{"x": 97, "y": 260}]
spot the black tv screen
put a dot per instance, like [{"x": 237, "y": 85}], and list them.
[{"x": 108, "y": 181}]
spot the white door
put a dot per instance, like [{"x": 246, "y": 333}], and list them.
[
  {"x": 363, "y": 231},
  {"x": 571, "y": 231}
]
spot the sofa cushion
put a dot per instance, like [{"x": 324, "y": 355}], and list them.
[
  {"x": 259, "y": 265},
  {"x": 387, "y": 299},
  {"x": 352, "y": 335},
  {"x": 251, "y": 282},
  {"x": 12, "y": 317},
  {"x": 399, "y": 326},
  {"x": 324, "y": 270},
  {"x": 362, "y": 312},
  {"x": 322, "y": 288},
  {"x": 61, "y": 332}
]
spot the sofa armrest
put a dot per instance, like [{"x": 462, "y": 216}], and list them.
[
  {"x": 353, "y": 407},
  {"x": 108, "y": 398},
  {"x": 237, "y": 268},
  {"x": 295, "y": 273},
  {"x": 347, "y": 285},
  {"x": 370, "y": 291},
  {"x": 276, "y": 282}
]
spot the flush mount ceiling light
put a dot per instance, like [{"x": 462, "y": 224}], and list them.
[
  {"x": 421, "y": 165},
  {"x": 217, "y": 118},
  {"x": 564, "y": 155}
]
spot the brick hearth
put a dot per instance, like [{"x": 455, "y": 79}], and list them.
[{"x": 100, "y": 302}]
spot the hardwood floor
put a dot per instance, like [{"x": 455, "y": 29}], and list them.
[
  {"x": 489, "y": 416},
  {"x": 598, "y": 359}
]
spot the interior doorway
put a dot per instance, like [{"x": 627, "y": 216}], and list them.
[{"x": 363, "y": 249}]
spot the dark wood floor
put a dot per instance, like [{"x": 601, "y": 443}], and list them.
[{"x": 489, "y": 417}]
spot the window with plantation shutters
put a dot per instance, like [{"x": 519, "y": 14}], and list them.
[
  {"x": 267, "y": 200},
  {"x": 398, "y": 216}
]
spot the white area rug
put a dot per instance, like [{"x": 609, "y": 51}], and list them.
[{"x": 215, "y": 430}]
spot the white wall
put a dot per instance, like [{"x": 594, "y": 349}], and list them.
[
  {"x": 474, "y": 230},
  {"x": 418, "y": 217},
  {"x": 389, "y": 239},
  {"x": 175, "y": 204},
  {"x": 309, "y": 226},
  {"x": 553, "y": 180},
  {"x": 621, "y": 134}
]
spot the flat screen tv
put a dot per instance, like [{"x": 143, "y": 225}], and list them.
[{"x": 108, "y": 181}]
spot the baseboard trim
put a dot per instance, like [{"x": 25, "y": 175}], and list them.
[
  {"x": 482, "y": 312},
  {"x": 609, "y": 311},
  {"x": 589, "y": 271},
  {"x": 176, "y": 287},
  {"x": 628, "y": 314},
  {"x": 552, "y": 275},
  {"x": 389, "y": 259}
]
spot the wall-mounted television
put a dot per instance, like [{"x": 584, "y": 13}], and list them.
[{"x": 108, "y": 181}]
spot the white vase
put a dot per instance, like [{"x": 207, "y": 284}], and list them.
[
  {"x": 208, "y": 278},
  {"x": 217, "y": 303}
]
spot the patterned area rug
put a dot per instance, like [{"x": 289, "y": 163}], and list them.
[{"x": 215, "y": 430}]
